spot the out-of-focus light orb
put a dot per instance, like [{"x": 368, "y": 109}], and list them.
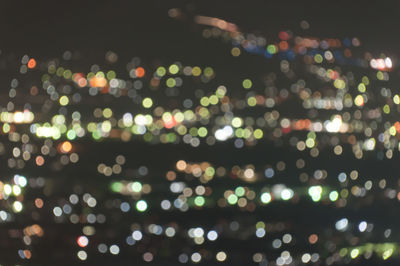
[
  {"x": 141, "y": 205},
  {"x": 266, "y": 197},
  {"x": 82, "y": 255},
  {"x": 362, "y": 226},
  {"x": 247, "y": 84},
  {"x": 237, "y": 122},
  {"x": 388, "y": 62},
  {"x": 16, "y": 190},
  {"x": 212, "y": 235},
  {"x": 20, "y": 180},
  {"x": 224, "y": 133},
  {"x": 269, "y": 172},
  {"x": 173, "y": 69},
  {"x": 17, "y": 206},
  {"x": 161, "y": 71},
  {"x": 82, "y": 241},
  {"x": 260, "y": 232},
  {"x": 7, "y": 189},
  {"x": 57, "y": 211},
  {"x": 199, "y": 201},
  {"x": 387, "y": 253},
  {"x": 114, "y": 249},
  {"x": 306, "y": 258},
  {"x": 342, "y": 224},
  {"x": 18, "y": 117},
  {"x": 287, "y": 194},
  {"x": 334, "y": 125},
  {"x": 249, "y": 173},
  {"x": 117, "y": 186},
  {"x": 148, "y": 257},
  {"x": 125, "y": 207},
  {"x": 235, "y": 51},
  {"x": 183, "y": 258},
  {"x": 66, "y": 147},
  {"x": 196, "y": 257},
  {"x": 31, "y": 63},
  {"x": 147, "y": 102},
  {"x": 165, "y": 204},
  {"x": 240, "y": 191},
  {"x": 333, "y": 196},
  {"x": 137, "y": 235},
  {"x": 136, "y": 187},
  {"x": 140, "y": 72},
  {"x": 232, "y": 199},
  {"x": 315, "y": 192},
  {"x": 64, "y": 100},
  {"x": 198, "y": 232},
  {"x": 369, "y": 144},
  {"x": 354, "y": 253},
  {"x": 170, "y": 232},
  {"x": 359, "y": 100},
  {"x": 221, "y": 256}
]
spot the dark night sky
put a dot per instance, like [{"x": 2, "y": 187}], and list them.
[{"x": 49, "y": 27}]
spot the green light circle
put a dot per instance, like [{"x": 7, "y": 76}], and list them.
[
  {"x": 199, "y": 201},
  {"x": 232, "y": 199}
]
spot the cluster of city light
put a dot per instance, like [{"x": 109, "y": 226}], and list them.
[{"x": 17, "y": 117}]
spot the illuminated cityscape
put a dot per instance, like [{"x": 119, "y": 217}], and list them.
[{"x": 201, "y": 139}]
